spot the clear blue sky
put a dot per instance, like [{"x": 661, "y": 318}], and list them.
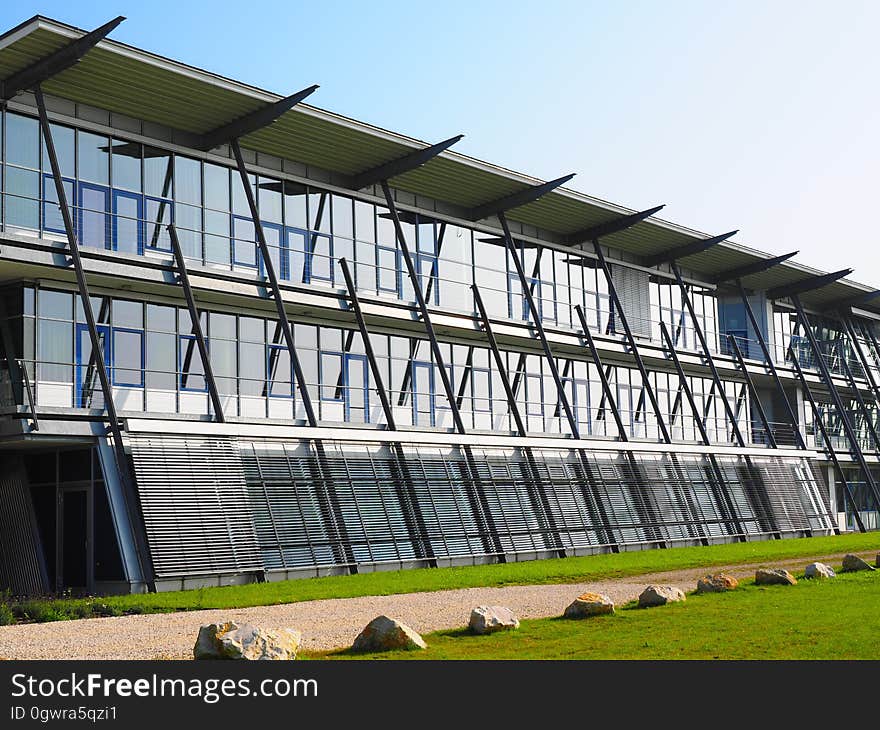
[{"x": 762, "y": 116}]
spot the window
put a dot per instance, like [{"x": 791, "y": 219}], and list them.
[
  {"x": 128, "y": 224},
  {"x": 187, "y": 180},
  {"x": 320, "y": 255},
  {"x": 128, "y": 358},
  {"x": 126, "y": 165},
  {"x": 52, "y": 219},
  {"x": 23, "y": 142},
  {"x": 94, "y": 219},
  {"x": 331, "y": 376},
  {"x": 159, "y": 216},
  {"x": 244, "y": 247},
  {"x": 279, "y": 373},
  {"x": 388, "y": 270},
  {"x": 192, "y": 371},
  {"x": 93, "y": 158}
]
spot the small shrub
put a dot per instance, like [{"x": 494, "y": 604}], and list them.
[
  {"x": 80, "y": 610},
  {"x": 40, "y": 612},
  {"x": 7, "y": 617},
  {"x": 104, "y": 610}
]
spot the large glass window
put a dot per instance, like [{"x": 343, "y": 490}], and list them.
[{"x": 94, "y": 157}]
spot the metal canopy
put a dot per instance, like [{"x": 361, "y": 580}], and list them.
[
  {"x": 754, "y": 268},
  {"x": 253, "y": 121},
  {"x": 805, "y": 285},
  {"x": 612, "y": 226},
  {"x": 56, "y": 62},
  {"x": 859, "y": 299},
  {"x": 687, "y": 249},
  {"x": 399, "y": 165},
  {"x": 515, "y": 200}
]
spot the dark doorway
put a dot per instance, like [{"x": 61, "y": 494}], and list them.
[{"x": 74, "y": 539}]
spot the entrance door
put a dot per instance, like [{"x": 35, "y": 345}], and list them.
[
  {"x": 88, "y": 387},
  {"x": 73, "y": 539},
  {"x": 357, "y": 394}
]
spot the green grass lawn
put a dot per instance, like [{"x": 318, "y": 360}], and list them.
[
  {"x": 830, "y": 619},
  {"x": 562, "y": 570}
]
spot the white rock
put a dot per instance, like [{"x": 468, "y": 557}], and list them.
[
  {"x": 231, "y": 640},
  {"x": 660, "y": 595},
  {"x": 387, "y": 634},
  {"x": 819, "y": 570},
  {"x": 589, "y": 604},
  {"x": 489, "y": 619}
]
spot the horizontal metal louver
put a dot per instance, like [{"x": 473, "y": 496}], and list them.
[
  {"x": 195, "y": 504},
  {"x": 214, "y": 504}
]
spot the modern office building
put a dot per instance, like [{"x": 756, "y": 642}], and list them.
[{"x": 244, "y": 338}]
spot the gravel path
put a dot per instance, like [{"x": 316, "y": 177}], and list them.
[{"x": 331, "y": 623}]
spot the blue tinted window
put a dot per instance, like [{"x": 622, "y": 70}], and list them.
[{"x": 22, "y": 141}]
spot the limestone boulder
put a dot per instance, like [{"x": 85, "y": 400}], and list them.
[
  {"x": 655, "y": 595},
  {"x": 774, "y": 577},
  {"x": 589, "y": 604},
  {"x": 387, "y": 634},
  {"x": 853, "y": 563},
  {"x": 231, "y": 640},
  {"x": 489, "y": 619},
  {"x": 717, "y": 583},
  {"x": 819, "y": 570}
]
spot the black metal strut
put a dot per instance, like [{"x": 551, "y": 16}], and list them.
[
  {"x": 771, "y": 366},
  {"x": 835, "y": 396},
  {"x": 132, "y": 504},
  {"x": 829, "y": 445},
  {"x": 196, "y": 324},
  {"x": 406, "y": 495},
  {"x": 631, "y": 342}
]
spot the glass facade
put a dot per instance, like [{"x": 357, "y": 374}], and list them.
[
  {"x": 124, "y": 194},
  {"x": 154, "y": 365}
]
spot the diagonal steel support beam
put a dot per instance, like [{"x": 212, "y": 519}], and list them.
[
  {"x": 196, "y": 324},
  {"x": 753, "y": 392},
  {"x": 515, "y": 200},
  {"x": 688, "y": 249},
  {"x": 835, "y": 397},
  {"x": 631, "y": 342},
  {"x": 406, "y": 496},
  {"x": 863, "y": 358},
  {"x": 716, "y": 476},
  {"x": 826, "y": 438},
  {"x": 860, "y": 402},
  {"x": 269, "y": 267},
  {"x": 755, "y": 267},
  {"x": 368, "y": 345},
  {"x": 56, "y": 62},
  {"x": 607, "y": 390},
  {"x": 328, "y": 499},
  {"x": 131, "y": 498},
  {"x": 539, "y": 327},
  {"x": 423, "y": 308},
  {"x": 400, "y": 165},
  {"x": 613, "y": 226},
  {"x": 771, "y": 367},
  {"x": 262, "y": 117},
  {"x": 499, "y": 362},
  {"x": 707, "y": 354}
]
